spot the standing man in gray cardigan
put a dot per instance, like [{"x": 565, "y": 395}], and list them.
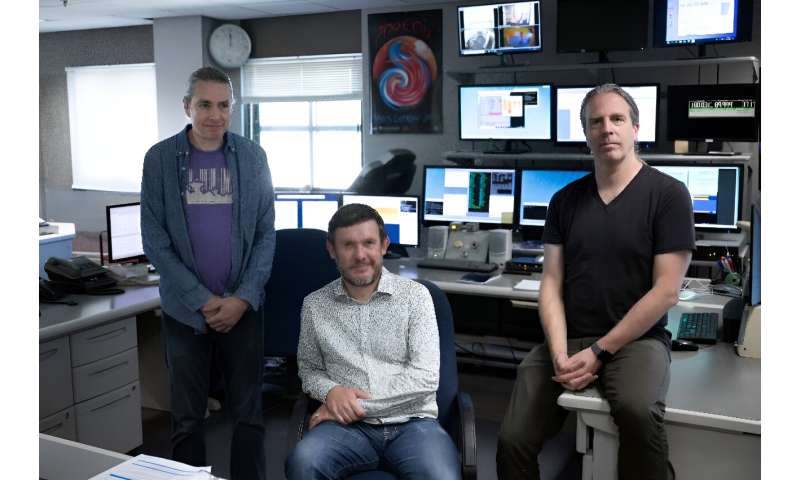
[{"x": 208, "y": 227}]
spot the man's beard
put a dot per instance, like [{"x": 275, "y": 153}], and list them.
[{"x": 361, "y": 282}]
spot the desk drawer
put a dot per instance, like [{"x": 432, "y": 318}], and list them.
[
  {"x": 112, "y": 421},
  {"x": 62, "y": 425},
  {"x": 105, "y": 375},
  {"x": 55, "y": 377},
  {"x": 103, "y": 341}
]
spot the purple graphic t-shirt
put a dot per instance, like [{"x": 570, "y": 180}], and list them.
[{"x": 209, "y": 215}]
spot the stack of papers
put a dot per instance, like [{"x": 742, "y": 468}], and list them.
[
  {"x": 532, "y": 285},
  {"x": 146, "y": 467}
]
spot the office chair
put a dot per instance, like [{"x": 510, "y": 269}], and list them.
[
  {"x": 300, "y": 266},
  {"x": 392, "y": 177},
  {"x": 456, "y": 412}
]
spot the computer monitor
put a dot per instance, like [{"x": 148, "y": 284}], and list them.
[
  {"x": 713, "y": 112},
  {"x": 123, "y": 224},
  {"x": 400, "y": 215},
  {"x": 601, "y": 26},
  {"x": 504, "y": 112},
  {"x": 482, "y": 195},
  {"x": 755, "y": 255},
  {"x": 716, "y": 192},
  {"x": 537, "y": 187},
  {"x": 568, "y": 112},
  {"x": 304, "y": 209},
  {"x": 678, "y": 22},
  {"x": 498, "y": 28}
]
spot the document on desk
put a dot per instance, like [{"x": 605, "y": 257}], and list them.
[
  {"x": 529, "y": 285},
  {"x": 146, "y": 467}
]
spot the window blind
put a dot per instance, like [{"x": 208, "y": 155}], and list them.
[{"x": 308, "y": 77}]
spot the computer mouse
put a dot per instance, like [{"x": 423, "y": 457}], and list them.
[
  {"x": 684, "y": 346},
  {"x": 686, "y": 295}
]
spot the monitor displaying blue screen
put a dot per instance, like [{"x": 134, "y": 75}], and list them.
[
  {"x": 537, "y": 187},
  {"x": 305, "y": 210},
  {"x": 568, "y": 112},
  {"x": 715, "y": 191},
  {"x": 400, "y": 215},
  {"x": 504, "y": 112},
  {"x": 483, "y": 195}
]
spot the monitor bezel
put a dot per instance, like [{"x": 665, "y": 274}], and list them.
[
  {"x": 110, "y": 243},
  {"x": 672, "y": 121},
  {"x": 744, "y": 26},
  {"x": 590, "y": 49},
  {"x": 740, "y": 200},
  {"x": 554, "y": 121},
  {"x": 495, "y": 85},
  {"x": 419, "y": 210},
  {"x": 306, "y": 192},
  {"x": 482, "y": 225},
  {"x": 513, "y": 51}
]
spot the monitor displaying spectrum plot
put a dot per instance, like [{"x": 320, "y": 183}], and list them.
[
  {"x": 400, "y": 215},
  {"x": 482, "y": 195}
]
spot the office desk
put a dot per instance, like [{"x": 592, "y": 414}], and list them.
[
  {"x": 89, "y": 364},
  {"x": 713, "y": 416}
]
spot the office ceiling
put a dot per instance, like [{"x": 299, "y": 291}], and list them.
[{"x": 54, "y": 16}]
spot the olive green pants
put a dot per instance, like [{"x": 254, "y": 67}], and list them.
[{"x": 634, "y": 382}]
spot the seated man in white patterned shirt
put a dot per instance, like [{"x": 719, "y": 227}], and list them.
[{"x": 369, "y": 351}]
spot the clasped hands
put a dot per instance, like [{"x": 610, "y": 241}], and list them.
[
  {"x": 223, "y": 313},
  {"x": 341, "y": 405},
  {"x": 578, "y": 371}
]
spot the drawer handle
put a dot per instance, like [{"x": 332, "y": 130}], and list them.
[
  {"x": 524, "y": 304},
  {"x": 109, "y": 368},
  {"x": 47, "y": 354},
  {"x": 112, "y": 402},
  {"x": 118, "y": 331}
]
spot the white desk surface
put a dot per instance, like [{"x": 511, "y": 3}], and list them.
[{"x": 58, "y": 320}]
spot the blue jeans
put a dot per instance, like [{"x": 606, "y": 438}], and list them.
[
  {"x": 242, "y": 360},
  {"x": 417, "y": 449}
]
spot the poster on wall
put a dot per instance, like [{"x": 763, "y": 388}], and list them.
[{"x": 405, "y": 52}]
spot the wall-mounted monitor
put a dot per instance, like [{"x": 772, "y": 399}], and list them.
[
  {"x": 537, "y": 187},
  {"x": 601, "y": 26},
  {"x": 400, "y": 215},
  {"x": 504, "y": 112},
  {"x": 714, "y": 112},
  {"x": 304, "y": 210},
  {"x": 123, "y": 223},
  {"x": 678, "y": 22},
  {"x": 568, "y": 112},
  {"x": 482, "y": 195},
  {"x": 498, "y": 28},
  {"x": 716, "y": 192}
]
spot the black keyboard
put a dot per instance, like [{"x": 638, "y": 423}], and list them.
[
  {"x": 698, "y": 327},
  {"x": 454, "y": 264}
]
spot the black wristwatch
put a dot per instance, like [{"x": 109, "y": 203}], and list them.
[{"x": 603, "y": 355}]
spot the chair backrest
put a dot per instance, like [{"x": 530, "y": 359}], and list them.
[
  {"x": 448, "y": 372},
  {"x": 300, "y": 266}
]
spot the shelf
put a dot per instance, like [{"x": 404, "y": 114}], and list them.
[
  {"x": 460, "y": 75},
  {"x": 465, "y": 157}
]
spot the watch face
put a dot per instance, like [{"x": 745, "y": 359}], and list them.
[{"x": 229, "y": 46}]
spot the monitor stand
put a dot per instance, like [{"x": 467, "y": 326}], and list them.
[
  {"x": 508, "y": 148},
  {"x": 396, "y": 251}
]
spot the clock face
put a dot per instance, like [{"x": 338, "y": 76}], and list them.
[{"x": 229, "y": 46}]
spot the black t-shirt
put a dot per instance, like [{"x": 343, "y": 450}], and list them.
[{"x": 609, "y": 249}]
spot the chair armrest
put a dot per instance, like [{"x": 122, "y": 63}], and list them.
[
  {"x": 468, "y": 445},
  {"x": 297, "y": 422}
]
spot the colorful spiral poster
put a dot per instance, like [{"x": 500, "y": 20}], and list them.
[{"x": 405, "y": 51}]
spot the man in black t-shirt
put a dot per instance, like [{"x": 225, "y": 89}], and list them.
[{"x": 617, "y": 245}]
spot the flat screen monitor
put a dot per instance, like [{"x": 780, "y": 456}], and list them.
[
  {"x": 510, "y": 27},
  {"x": 504, "y": 112},
  {"x": 537, "y": 187},
  {"x": 681, "y": 22},
  {"x": 716, "y": 192},
  {"x": 568, "y": 112},
  {"x": 304, "y": 210},
  {"x": 755, "y": 256},
  {"x": 601, "y": 26},
  {"x": 123, "y": 223},
  {"x": 714, "y": 112},
  {"x": 482, "y": 195},
  {"x": 400, "y": 215}
]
